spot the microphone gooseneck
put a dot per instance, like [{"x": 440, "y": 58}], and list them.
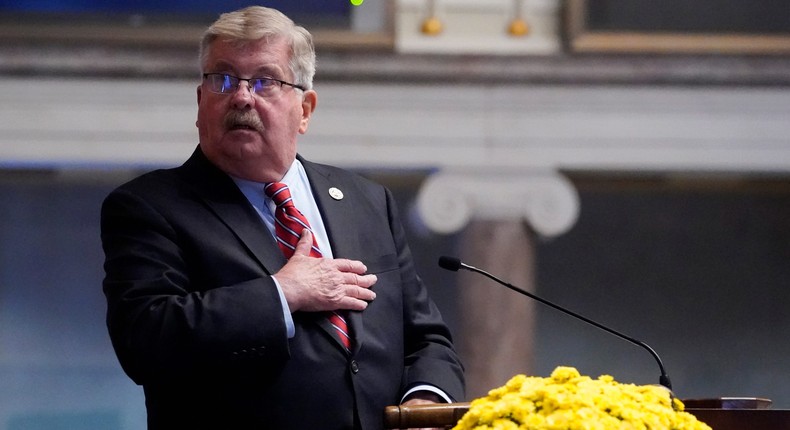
[{"x": 454, "y": 264}]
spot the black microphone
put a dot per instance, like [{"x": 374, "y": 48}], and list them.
[{"x": 452, "y": 263}]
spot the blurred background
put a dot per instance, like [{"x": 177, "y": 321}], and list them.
[{"x": 628, "y": 159}]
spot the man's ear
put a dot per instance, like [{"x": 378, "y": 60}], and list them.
[
  {"x": 309, "y": 102},
  {"x": 199, "y": 95}
]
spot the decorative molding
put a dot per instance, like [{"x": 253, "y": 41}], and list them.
[
  {"x": 643, "y": 129},
  {"x": 374, "y": 62},
  {"x": 503, "y": 143},
  {"x": 450, "y": 198},
  {"x": 56, "y": 122},
  {"x": 478, "y": 27},
  {"x": 97, "y": 123}
]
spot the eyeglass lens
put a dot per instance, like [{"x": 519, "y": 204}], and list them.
[{"x": 222, "y": 83}]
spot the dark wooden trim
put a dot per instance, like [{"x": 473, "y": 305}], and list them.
[
  {"x": 168, "y": 36},
  {"x": 584, "y": 39},
  {"x": 447, "y": 415}
]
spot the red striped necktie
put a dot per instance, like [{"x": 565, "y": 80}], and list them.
[{"x": 288, "y": 226}]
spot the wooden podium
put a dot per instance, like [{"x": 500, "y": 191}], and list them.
[{"x": 720, "y": 414}]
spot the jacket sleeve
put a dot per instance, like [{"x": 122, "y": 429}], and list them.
[{"x": 430, "y": 357}]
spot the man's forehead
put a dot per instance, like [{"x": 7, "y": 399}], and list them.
[
  {"x": 259, "y": 70},
  {"x": 254, "y": 56},
  {"x": 273, "y": 43}
]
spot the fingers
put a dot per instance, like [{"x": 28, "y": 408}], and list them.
[
  {"x": 322, "y": 284},
  {"x": 358, "y": 286},
  {"x": 356, "y": 293},
  {"x": 350, "y": 266},
  {"x": 364, "y": 281},
  {"x": 305, "y": 243},
  {"x": 350, "y": 304}
]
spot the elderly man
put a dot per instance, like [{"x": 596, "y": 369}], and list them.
[{"x": 251, "y": 288}]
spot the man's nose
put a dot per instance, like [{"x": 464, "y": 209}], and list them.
[{"x": 243, "y": 96}]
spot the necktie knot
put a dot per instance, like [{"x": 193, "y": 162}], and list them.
[
  {"x": 288, "y": 221},
  {"x": 279, "y": 193}
]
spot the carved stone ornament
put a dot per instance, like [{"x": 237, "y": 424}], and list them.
[{"x": 449, "y": 199}]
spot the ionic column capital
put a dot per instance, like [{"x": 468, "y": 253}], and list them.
[{"x": 450, "y": 198}]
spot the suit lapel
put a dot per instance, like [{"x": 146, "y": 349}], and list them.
[
  {"x": 252, "y": 232},
  {"x": 221, "y": 195},
  {"x": 337, "y": 214}
]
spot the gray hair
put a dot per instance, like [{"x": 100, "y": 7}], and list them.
[{"x": 257, "y": 22}]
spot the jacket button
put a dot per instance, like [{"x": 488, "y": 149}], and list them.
[{"x": 354, "y": 367}]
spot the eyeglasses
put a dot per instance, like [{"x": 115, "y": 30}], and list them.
[{"x": 222, "y": 83}]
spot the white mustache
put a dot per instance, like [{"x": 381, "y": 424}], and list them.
[{"x": 247, "y": 118}]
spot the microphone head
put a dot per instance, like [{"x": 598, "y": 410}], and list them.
[{"x": 449, "y": 263}]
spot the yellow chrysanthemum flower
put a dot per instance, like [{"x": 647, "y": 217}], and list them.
[{"x": 568, "y": 401}]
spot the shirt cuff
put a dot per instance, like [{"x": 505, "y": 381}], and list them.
[
  {"x": 426, "y": 387},
  {"x": 290, "y": 329}
]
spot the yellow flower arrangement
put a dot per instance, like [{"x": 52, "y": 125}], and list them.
[{"x": 569, "y": 401}]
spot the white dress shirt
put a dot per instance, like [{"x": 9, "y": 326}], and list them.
[{"x": 303, "y": 199}]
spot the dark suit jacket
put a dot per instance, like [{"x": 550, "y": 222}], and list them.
[{"x": 195, "y": 318}]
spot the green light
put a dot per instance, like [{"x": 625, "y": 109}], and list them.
[{"x": 356, "y": 2}]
